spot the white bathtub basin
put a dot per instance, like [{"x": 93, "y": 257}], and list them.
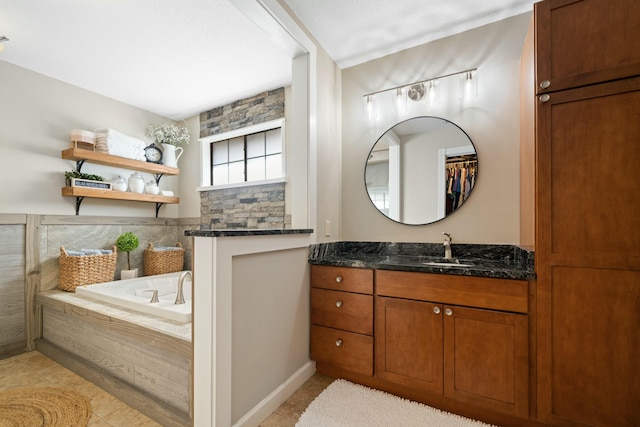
[{"x": 135, "y": 294}]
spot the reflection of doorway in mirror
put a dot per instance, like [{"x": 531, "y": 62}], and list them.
[{"x": 457, "y": 166}]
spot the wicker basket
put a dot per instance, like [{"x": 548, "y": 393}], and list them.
[
  {"x": 161, "y": 262},
  {"x": 85, "y": 270}
]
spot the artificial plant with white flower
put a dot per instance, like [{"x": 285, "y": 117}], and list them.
[{"x": 169, "y": 133}]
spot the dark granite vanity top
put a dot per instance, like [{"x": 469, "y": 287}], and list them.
[
  {"x": 498, "y": 261},
  {"x": 246, "y": 232}
]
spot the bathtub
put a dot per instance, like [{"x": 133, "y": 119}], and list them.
[{"x": 134, "y": 294}]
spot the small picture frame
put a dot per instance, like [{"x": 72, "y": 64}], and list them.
[{"x": 79, "y": 182}]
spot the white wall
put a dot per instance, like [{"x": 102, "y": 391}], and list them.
[
  {"x": 189, "y": 179},
  {"x": 37, "y": 114},
  {"x": 491, "y": 215},
  {"x": 329, "y": 149}
]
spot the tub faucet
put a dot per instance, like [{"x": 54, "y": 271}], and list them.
[
  {"x": 447, "y": 245},
  {"x": 180, "y": 295}
]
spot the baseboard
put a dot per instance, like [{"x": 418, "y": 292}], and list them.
[
  {"x": 277, "y": 397},
  {"x": 132, "y": 396},
  {"x": 13, "y": 349}
]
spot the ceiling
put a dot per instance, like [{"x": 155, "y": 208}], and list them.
[{"x": 179, "y": 58}]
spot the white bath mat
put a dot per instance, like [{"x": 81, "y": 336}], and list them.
[{"x": 345, "y": 404}]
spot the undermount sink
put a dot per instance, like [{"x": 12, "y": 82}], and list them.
[{"x": 446, "y": 264}]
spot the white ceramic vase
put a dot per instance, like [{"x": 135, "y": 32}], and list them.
[
  {"x": 171, "y": 154},
  {"x": 128, "y": 274}
]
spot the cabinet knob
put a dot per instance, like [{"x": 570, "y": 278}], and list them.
[
  {"x": 338, "y": 342},
  {"x": 448, "y": 311},
  {"x": 544, "y": 98},
  {"x": 338, "y": 279},
  {"x": 338, "y": 304},
  {"x": 436, "y": 310},
  {"x": 545, "y": 84}
]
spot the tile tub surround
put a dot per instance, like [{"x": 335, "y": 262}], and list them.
[
  {"x": 497, "y": 261},
  {"x": 143, "y": 360}
]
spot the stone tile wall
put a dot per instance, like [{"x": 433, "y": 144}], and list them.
[
  {"x": 259, "y": 206},
  {"x": 256, "y": 206},
  {"x": 264, "y": 107}
]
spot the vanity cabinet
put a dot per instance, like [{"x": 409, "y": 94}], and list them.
[
  {"x": 586, "y": 233},
  {"x": 80, "y": 156},
  {"x": 473, "y": 355},
  {"x": 342, "y": 318}
]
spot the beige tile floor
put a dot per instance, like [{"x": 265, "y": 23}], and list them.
[{"x": 34, "y": 369}]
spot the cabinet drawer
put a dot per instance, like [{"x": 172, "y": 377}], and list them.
[
  {"x": 342, "y": 278},
  {"x": 480, "y": 292},
  {"x": 342, "y": 310},
  {"x": 346, "y": 350}
]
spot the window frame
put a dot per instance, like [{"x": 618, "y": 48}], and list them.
[{"x": 206, "y": 153}]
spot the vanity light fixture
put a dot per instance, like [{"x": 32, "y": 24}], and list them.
[
  {"x": 424, "y": 89},
  {"x": 2, "y": 40}
]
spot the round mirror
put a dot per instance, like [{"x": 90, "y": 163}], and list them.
[{"x": 421, "y": 170}]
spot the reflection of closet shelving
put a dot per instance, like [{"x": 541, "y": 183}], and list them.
[
  {"x": 461, "y": 174},
  {"x": 81, "y": 155}
]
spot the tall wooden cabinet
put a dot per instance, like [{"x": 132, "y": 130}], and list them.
[{"x": 588, "y": 212}]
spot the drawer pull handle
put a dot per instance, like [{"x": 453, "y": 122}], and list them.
[
  {"x": 545, "y": 98},
  {"x": 448, "y": 311},
  {"x": 545, "y": 84},
  {"x": 436, "y": 310},
  {"x": 338, "y": 304},
  {"x": 338, "y": 342},
  {"x": 338, "y": 279}
]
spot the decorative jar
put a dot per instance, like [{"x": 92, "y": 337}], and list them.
[
  {"x": 119, "y": 184},
  {"x": 152, "y": 188},
  {"x": 136, "y": 183}
]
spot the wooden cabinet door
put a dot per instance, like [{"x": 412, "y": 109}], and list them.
[
  {"x": 588, "y": 256},
  {"x": 408, "y": 343},
  {"x": 486, "y": 359},
  {"x": 591, "y": 370},
  {"x": 581, "y": 42}
]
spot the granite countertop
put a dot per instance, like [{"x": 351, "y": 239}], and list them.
[
  {"x": 246, "y": 232},
  {"x": 497, "y": 261}
]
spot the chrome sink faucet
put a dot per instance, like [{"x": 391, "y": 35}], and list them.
[
  {"x": 447, "y": 245},
  {"x": 180, "y": 295}
]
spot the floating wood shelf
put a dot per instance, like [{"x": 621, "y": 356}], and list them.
[
  {"x": 98, "y": 193},
  {"x": 80, "y": 155}
]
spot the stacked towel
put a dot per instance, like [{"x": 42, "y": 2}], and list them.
[
  {"x": 118, "y": 144},
  {"x": 166, "y": 248},
  {"x": 83, "y": 252}
]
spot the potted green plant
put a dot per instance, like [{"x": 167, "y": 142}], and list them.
[
  {"x": 128, "y": 242},
  {"x": 170, "y": 136}
]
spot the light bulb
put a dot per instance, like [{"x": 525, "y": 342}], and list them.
[
  {"x": 432, "y": 98},
  {"x": 468, "y": 84},
  {"x": 401, "y": 100}
]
